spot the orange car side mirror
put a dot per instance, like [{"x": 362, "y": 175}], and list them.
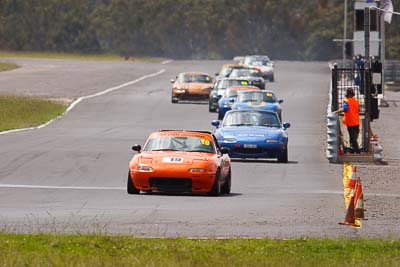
[
  {"x": 137, "y": 148},
  {"x": 225, "y": 150}
]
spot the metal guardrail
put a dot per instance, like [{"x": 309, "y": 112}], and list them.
[{"x": 392, "y": 70}]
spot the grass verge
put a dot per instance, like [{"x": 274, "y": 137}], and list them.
[
  {"x": 101, "y": 250},
  {"x": 4, "y": 66},
  {"x": 22, "y": 112},
  {"x": 99, "y": 57}
]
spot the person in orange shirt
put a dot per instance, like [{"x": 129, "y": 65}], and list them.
[{"x": 351, "y": 118}]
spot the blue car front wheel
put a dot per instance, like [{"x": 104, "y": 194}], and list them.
[{"x": 283, "y": 156}]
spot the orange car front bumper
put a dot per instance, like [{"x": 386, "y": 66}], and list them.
[
  {"x": 173, "y": 181},
  {"x": 191, "y": 96}
]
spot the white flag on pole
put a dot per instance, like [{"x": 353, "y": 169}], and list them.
[{"x": 387, "y": 5}]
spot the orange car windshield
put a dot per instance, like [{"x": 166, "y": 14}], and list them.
[
  {"x": 195, "y": 78},
  {"x": 180, "y": 143}
]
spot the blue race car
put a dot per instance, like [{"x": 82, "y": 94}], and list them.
[
  {"x": 227, "y": 99},
  {"x": 253, "y": 134},
  {"x": 258, "y": 100}
]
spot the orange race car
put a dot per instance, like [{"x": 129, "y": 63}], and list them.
[
  {"x": 191, "y": 86},
  {"x": 227, "y": 99},
  {"x": 180, "y": 161}
]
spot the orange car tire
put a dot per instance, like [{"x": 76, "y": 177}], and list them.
[
  {"x": 174, "y": 100},
  {"x": 216, "y": 188},
  {"x": 131, "y": 189},
  {"x": 226, "y": 188}
]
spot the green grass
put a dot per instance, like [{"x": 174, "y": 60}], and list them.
[
  {"x": 22, "y": 112},
  {"x": 78, "y": 56},
  {"x": 102, "y": 250},
  {"x": 4, "y": 66}
]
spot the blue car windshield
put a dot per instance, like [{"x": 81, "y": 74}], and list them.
[
  {"x": 251, "y": 118},
  {"x": 255, "y": 96},
  {"x": 231, "y": 93}
]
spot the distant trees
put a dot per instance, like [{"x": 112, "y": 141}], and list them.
[
  {"x": 47, "y": 25},
  {"x": 284, "y": 29}
]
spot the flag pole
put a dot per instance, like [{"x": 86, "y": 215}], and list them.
[
  {"x": 383, "y": 51},
  {"x": 344, "y": 34}
]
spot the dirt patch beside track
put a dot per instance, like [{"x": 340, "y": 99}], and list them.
[{"x": 385, "y": 178}]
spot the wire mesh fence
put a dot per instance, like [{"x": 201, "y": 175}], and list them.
[{"x": 360, "y": 81}]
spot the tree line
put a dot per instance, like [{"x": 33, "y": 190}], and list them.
[{"x": 283, "y": 29}]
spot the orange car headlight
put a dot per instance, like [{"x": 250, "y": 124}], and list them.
[
  {"x": 197, "y": 170},
  {"x": 145, "y": 169},
  {"x": 179, "y": 90}
]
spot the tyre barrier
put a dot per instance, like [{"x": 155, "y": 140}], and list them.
[{"x": 332, "y": 131}]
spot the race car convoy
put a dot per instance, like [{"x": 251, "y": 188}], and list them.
[{"x": 198, "y": 161}]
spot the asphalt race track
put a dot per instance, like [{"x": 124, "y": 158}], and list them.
[{"x": 70, "y": 176}]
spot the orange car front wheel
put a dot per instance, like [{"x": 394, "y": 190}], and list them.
[
  {"x": 226, "y": 188},
  {"x": 216, "y": 188},
  {"x": 131, "y": 189},
  {"x": 174, "y": 99}
]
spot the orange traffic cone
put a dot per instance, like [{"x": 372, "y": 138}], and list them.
[
  {"x": 350, "y": 218},
  {"x": 359, "y": 201},
  {"x": 353, "y": 180}
]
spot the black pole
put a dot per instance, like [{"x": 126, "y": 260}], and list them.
[
  {"x": 335, "y": 104},
  {"x": 367, "y": 83},
  {"x": 366, "y": 36}
]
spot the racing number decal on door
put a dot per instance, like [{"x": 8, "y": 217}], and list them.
[{"x": 172, "y": 160}]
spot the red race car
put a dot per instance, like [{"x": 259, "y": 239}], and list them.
[{"x": 180, "y": 161}]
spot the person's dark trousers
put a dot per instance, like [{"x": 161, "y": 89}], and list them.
[{"x": 353, "y": 133}]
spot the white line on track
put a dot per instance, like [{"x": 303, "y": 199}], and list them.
[
  {"x": 87, "y": 97},
  {"x": 24, "y": 186},
  {"x": 58, "y": 187},
  {"x": 166, "y": 61}
]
